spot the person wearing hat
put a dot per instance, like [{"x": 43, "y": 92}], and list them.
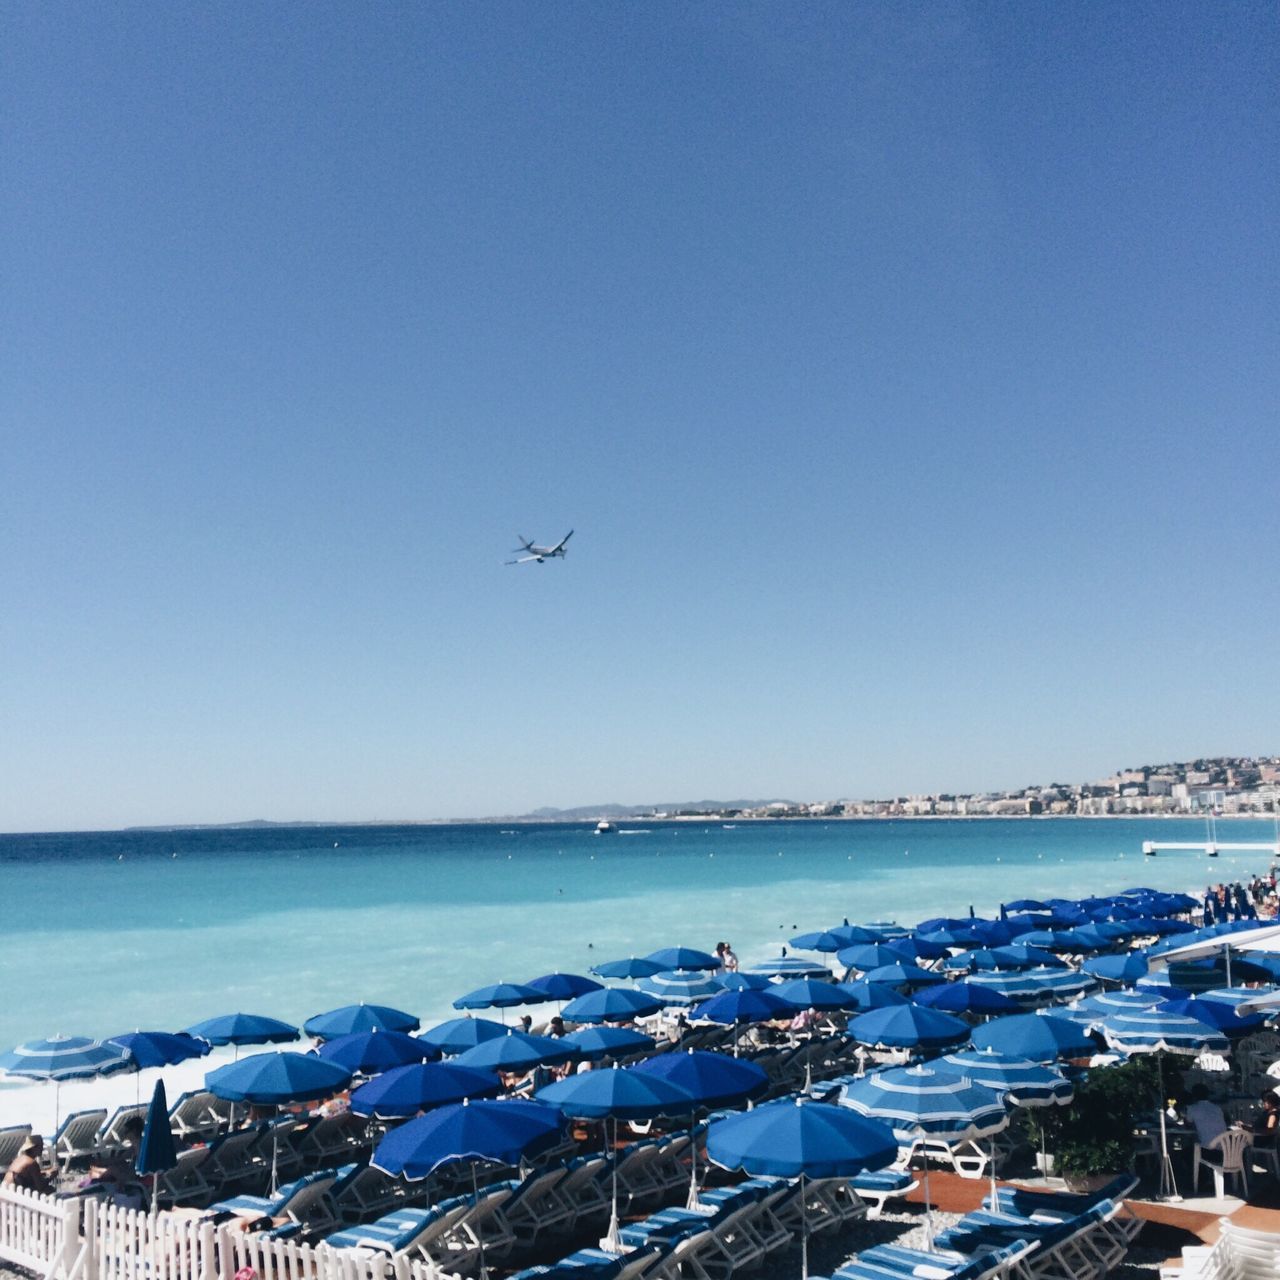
[{"x": 25, "y": 1172}]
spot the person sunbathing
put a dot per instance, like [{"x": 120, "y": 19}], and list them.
[{"x": 25, "y": 1172}]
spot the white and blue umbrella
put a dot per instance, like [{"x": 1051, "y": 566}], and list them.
[
  {"x": 1036, "y": 984},
  {"x": 789, "y": 967},
  {"x": 679, "y": 986},
  {"x": 1092, "y": 1011},
  {"x": 923, "y": 1101},
  {"x": 1023, "y": 1082},
  {"x": 64, "y": 1058}
]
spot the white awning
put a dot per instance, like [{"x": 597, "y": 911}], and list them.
[{"x": 1265, "y": 937}]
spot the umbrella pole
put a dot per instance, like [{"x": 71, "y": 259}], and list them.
[
  {"x": 804, "y": 1232},
  {"x": 475, "y": 1199},
  {"x": 692, "y": 1202},
  {"x": 611, "y": 1240},
  {"x": 993, "y": 1172},
  {"x": 1168, "y": 1183},
  {"x": 928, "y": 1204}
]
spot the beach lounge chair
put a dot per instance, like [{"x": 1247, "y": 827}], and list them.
[
  {"x": 585, "y": 1188},
  {"x": 368, "y": 1193},
  {"x": 595, "y": 1264},
  {"x": 893, "y": 1262},
  {"x": 231, "y": 1161},
  {"x": 306, "y": 1202},
  {"x": 876, "y": 1187},
  {"x": 77, "y": 1137},
  {"x": 1063, "y": 1251},
  {"x": 111, "y": 1136},
  {"x": 335, "y": 1138},
  {"x": 483, "y": 1228},
  {"x": 194, "y": 1116},
  {"x": 185, "y": 1184},
  {"x": 534, "y": 1208},
  {"x": 11, "y": 1140},
  {"x": 1060, "y": 1206},
  {"x": 410, "y": 1232}
]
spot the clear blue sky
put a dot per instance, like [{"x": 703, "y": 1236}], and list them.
[{"x": 908, "y": 372}]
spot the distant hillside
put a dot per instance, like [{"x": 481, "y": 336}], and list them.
[{"x": 587, "y": 811}]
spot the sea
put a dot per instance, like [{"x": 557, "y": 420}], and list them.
[{"x": 107, "y": 932}]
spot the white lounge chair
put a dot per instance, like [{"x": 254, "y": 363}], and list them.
[
  {"x": 111, "y": 1139},
  {"x": 77, "y": 1136},
  {"x": 193, "y": 1116},
  {"x": 185, "y": 1184},
  {"x": 11, "y": 1142}
]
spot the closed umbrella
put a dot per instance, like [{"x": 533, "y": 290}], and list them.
[
  {"x": 156, "y": 1150},
  {"x": 801, "y": 1139},
  {"x": 359, "y": 1017}
]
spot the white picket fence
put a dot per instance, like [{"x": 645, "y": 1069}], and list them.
[{"x": 88, "y": 1240}]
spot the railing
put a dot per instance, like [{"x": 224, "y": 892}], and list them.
[
  {"x": 39, "y": 1232},
  {"x": 85, "y": 1239}
]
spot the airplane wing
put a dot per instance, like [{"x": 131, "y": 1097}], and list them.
[
  {"x": 560, "y": 545},
  {"x": 524, "y": 560}
]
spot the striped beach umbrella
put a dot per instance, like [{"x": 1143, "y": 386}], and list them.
[
  {"x": 65, "y": 1058},
  {"x": 1158, "y": 1031},
  {"x": 679, "y": 986},
  {"x": 920, "y": 1100},
  {"x": 1024, "y": 1083},
  {"x": 789, "y": 967}
]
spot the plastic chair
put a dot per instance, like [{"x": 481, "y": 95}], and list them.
[{"x": 1227, "y": 1159}]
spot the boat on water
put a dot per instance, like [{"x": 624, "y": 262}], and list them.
[{"x": 606, "y": 828}]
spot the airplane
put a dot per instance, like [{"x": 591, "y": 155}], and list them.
[{"x": 540, "y": 554}]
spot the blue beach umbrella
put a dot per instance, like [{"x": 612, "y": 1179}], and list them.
[
  {"x": 632, "y": 967},
  {"x": 914, "y": 947},
  {"x": 865, "y": 996},
  {"x": 563, "y": 986},
  {"x": 1092, "y": 1011},
  {"x": 369, "y": 1052},
  {"x": 156, "y": 1150},
  {"x": 711, "y": 1079},
  {"x": 949, "y": 937},
  {"x": 459, "y": 1034},
  {"x": 517, "y": 1052},
  {"x": 243, "y": 1029},
  {"x": 740, "y": 981},
  {"x": 1128, "y": 967},
  {"x": 272, "y": 1079},
  {"x": 993, "y": 933},
  {"x": 903, "y": 975},
  {"x": 1235, "y": 995},
  {"x": 499, "y": 995},
  {"x": 160, "y": 1048},
  {"x": 872, "y": 955},
  {"x": 966, "y": 997},
  {"x": 352, "y": 1018},
  {"x": 801, "y": 1139},
  {"x": 1218, "y": 1014},
  {"x": 1039, "y": 1037},
  {"x": 1036, "y": 985},
  {"x": 812, "y": 993},
  {"x": 920, "y": 1100},
  {"x": 731, "y": 1007},
  {"x": 498, "y": 1132},
  {"x": 679, "y": 986},
  {"x": 825, "y": 940},
  {"x": 1018, "y": 955},
  {"x": 404, "y": 1091},
  {"x": 1025, "y": 904},
  {"x": 884, "y": 930},
  {"x": 611, "y": 1004},
  {"x": 593, "y": 1043},
  {"x": 683, "y": 958},
  {"x": 909, "y": 1026},
  {"x": 616, "y": 1093},
  {"x": 848, "y": 934}
]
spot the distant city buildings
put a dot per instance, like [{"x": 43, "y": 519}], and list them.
[{"x": 1225, "y": 785}]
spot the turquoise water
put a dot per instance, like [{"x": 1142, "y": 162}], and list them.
[{"x": 110, "y": 931}]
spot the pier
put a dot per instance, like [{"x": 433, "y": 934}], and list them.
[{"x": 1211, "y": 847}]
